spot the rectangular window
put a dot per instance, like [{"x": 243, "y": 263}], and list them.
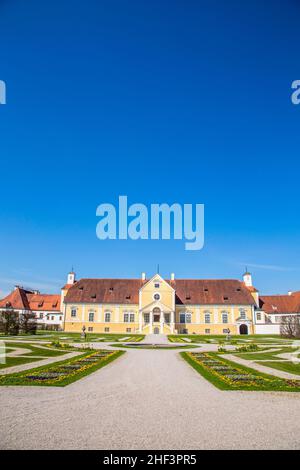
[
  {"x": 73, "y": 312},
  {"x": 156, "y": 286},
  {"x": 182, "y": 318},
  {"x": 126, "y": 317},
  {"x": 258, "y": 316},
  {"x": 90, "y": 328},
  {"x": 188, "y": 318},
  {"x": 207, "y": 331},
  {"x": 243, "y": 314},
  {"x": 41, "y": 315},
  {"x": 128, "y": 330},
  {"x": 106, "y": 329},
  {"x": 60, "y": 318},
  {"x": 147, "y": 317},
  {"x": 52, "y": 318},
  {"x": 207, "y": 318},
  {"x": 91, "y": 316},
  {"x": 224, "y": 318},
  {"x": 167, "y": 317},
  {"x": 131, "y": 318},
  {"x": 107, "y": 317}
]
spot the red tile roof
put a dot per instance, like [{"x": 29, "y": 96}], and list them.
[
  {"x": 280, "y": 303},
  {"x": 22, "y": 299},
  {"x": 44, "y": 302},
  {"x": 16, "y": 299},
  {"x": 188, "y": 291}
]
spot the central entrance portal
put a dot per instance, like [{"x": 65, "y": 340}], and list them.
[{"x": 156, "y": 330}]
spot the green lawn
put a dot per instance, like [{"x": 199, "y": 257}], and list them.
[
  {"x": 153, "y": 346},
  {"x": 285, "y": 366},
  {"x": 62, "y": 373},
  {"x": 25, "y": 358},
  {"x": 16, "y": 361},
  {"x": 228, "y": 375},
  {"x": 236, "y": 338},
  {"x": 35, "y": 350},
  {"x": 74, "y": 337},
  {"x": 261, "y": 355}
]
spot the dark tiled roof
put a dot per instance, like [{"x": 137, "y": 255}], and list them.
[
  {"x": 211, "y": 291},
  {"x": 280, "y": 303},
  {"x": 188, "y": 291},
  {"x": 124, "y": 291}
]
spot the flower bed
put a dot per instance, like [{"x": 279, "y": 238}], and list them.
[
  {"x": 61, "y": 374},
  {"x": 228, "y": 375}
]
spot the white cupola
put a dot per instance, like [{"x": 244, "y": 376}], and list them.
[
  {"x": 247, "y": 278},
  {"x": 71, "y": 278}
]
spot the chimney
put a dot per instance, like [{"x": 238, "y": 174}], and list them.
[
  {"x": 172, "y": 276},
  {"x": 143, "y": 276}
]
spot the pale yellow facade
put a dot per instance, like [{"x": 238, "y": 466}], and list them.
[{"x": 157, "y": 312}]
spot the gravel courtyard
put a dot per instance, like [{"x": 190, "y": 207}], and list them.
[{"x": 147, "y": 399}]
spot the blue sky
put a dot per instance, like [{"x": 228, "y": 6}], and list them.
[{"x": 162, "y": 101}]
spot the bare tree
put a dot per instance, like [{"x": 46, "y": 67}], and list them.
[
  {"x": 9, "y": 322},
  {"x": 27, "y": 323},
  {"x": 290, "y": 326}
]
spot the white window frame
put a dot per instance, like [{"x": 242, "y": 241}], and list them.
[
  {"x": 73, "y": 309},
  {"x": 105, "y": 316},
  {"x": 225, "y": 315},
  {"x": 243, "y": 314},
  {"x": 207, "y": 315},
  {"x": 92, "y": 313}
]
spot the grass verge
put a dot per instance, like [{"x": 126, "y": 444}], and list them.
[
  {"x": 228, "y": 375},
  {"x": 63, "y": 373},
  {"x": 285, "y": 366}
]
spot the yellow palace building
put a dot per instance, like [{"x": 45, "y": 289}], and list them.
[{"x": 159, "y": 306}]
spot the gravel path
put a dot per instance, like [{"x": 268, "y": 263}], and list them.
[{"x": 147, "y": 400}]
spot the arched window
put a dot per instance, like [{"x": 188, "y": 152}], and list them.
[
  {"x": 224, "y": 317},
  {"x": 91, "y": 316},
  {"x": 107, "y": 317}
]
